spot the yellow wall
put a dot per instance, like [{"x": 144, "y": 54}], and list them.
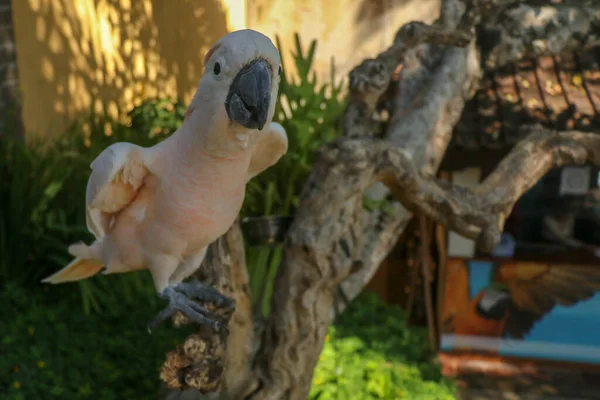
[
  {"x": 348, "y": 30},
  {"x": 74, "y": 55},
  {"x": 109, "y": 54}
]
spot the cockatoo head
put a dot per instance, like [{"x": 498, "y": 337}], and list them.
[{"x": 240, "y": 82}]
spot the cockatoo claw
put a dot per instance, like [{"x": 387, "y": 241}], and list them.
[
  {"x": 181, "y": 297},
  {"x": 197, "y": 290}
]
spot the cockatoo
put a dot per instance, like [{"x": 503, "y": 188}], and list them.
[{"x": 160, "y": 207}]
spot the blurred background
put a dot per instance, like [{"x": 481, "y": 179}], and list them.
[{"x": 79, "y": 75}]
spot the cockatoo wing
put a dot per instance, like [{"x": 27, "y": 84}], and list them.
[
  {"x": 117, "y": 175},
  {"x": 536, "y": 288},
  {"x": 271, "y": 147}
]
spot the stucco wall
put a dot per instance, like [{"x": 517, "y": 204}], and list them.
[
  {"x": 348, "y": 30},
  {"x": 74, "y": 55},
  {"x": 107, "y": 55}
]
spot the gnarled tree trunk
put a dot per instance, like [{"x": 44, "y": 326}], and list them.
[{"x": 334, "y": 241}]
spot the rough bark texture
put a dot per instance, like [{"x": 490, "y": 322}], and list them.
[
  {"x": 334, "y": 241},
  {"x": 434, "y": 84}
]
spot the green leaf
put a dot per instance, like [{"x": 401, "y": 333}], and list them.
[{"x": 372, "y": 353}]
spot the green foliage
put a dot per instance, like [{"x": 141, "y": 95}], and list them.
[
  {"x": 372, "y": 353},
  {"x": 309, "y": 112},
  {"x": 371, "y": 205},
  {"x": 30, "y": 230},
  {"x": 161, "y": 117},
  {"x": 50, "y": 350}
]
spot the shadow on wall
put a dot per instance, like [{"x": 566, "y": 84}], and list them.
[
  {"x": 385, "y": 17},
  {"x": 107, "y": 55},
  {"x": 347, "y": 30},
  {"x": 370, "y": 9}
]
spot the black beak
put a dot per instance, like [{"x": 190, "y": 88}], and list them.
[{"x": 249, "y": 96}]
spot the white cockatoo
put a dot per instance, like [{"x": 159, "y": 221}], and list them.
[{"x": 160, "y": 207}]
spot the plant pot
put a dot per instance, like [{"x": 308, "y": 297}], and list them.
[{"x": 269, "y": 230}]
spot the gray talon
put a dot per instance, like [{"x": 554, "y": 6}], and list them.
[
  {"x": 198, "y": 290},
  {"x": 180, "y": 299}
]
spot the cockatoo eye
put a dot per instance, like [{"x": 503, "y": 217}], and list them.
[
  {"x": 217, "y": 68},
  {"x": 279, "y": 71}
]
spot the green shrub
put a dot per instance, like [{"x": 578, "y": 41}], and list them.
[
  {"x": 372, "y": 353},
  {"x": 31, "y": 230},
  {"x": 51, "y": 350},
  {"x": 159, "y": 118}
]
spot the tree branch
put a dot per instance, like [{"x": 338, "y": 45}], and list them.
[
  {"x": 206, "y": 361},
  {"x": 369, "y": 80},
  {"x": 434, "y": 85},
  {"x": 478, "y": 213}
]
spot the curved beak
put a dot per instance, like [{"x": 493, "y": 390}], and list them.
[{"x": 249, "y": 96}]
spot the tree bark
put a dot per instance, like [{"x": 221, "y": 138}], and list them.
[
  {"x": 434, "y": 85},
  {"x": 334, "y": 241}
]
